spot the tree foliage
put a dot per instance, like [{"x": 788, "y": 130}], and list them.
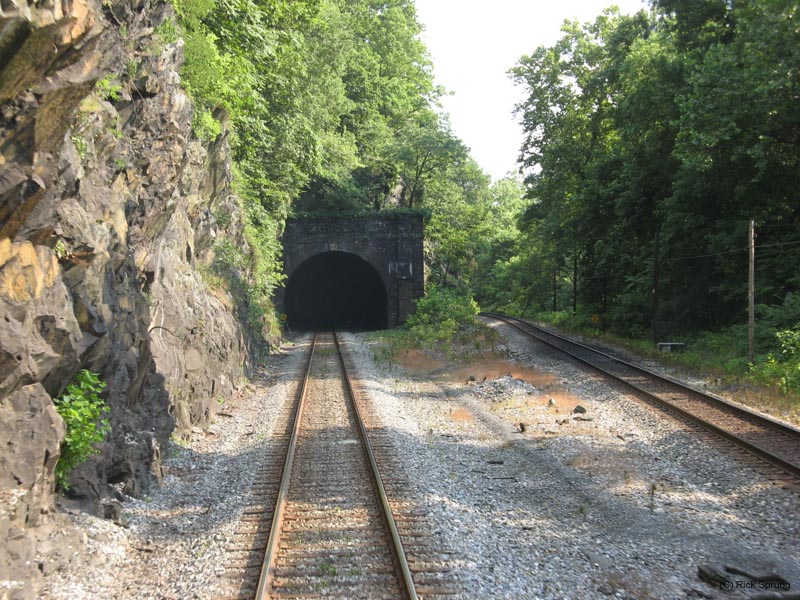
[
  {"x": 651, "y": 140},
  {"x": 332, "y": 108},
  {"x": 82, "y": 410}
]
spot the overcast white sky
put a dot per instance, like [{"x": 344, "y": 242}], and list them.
[{"x": 473, "y": 43}]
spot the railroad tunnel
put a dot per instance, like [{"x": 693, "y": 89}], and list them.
[{"x": 336, "y": 290}]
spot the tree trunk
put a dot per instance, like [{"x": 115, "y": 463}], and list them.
[
  {"x": 575, "y": 284},
  {"x": 751, "y": 294},
  {"x": 605, "y": 304},
  {"x": 656, "y": 292},
  {"x": 528, "y": 302}
]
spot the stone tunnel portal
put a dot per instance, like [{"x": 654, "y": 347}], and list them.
[{"x": 336, "y": 290}]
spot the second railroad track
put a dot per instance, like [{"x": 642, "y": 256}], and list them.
[{"x": 766, "y": 439}]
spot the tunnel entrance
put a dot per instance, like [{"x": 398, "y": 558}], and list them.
[{"x": 336, "y": 290}]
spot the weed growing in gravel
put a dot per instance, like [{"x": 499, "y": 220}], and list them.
[
  {"x": 652, "y": 502},
  {"x": 327, "y": 568},
  {"x": 468, "y": 340},
  {"x": 179, "y": 441},
  {"x": 440, "y": 315}
]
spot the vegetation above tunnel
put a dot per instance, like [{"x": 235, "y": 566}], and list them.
[
  {"x": 332, "y": 108},
  {"x": 652, "y": 140}
]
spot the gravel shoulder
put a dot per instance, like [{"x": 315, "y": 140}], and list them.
[
  {"x": 617, "y": 501},
  {"x": 746, "y": 396},
  {"x": 620, "y": 502},
  {"x": 172, "y": 544}
]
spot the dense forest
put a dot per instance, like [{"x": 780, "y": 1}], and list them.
[{"x": 651, "y": 142}]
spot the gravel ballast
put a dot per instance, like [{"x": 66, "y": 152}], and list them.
[
  {"x": 173, "y": 543},
  {"x": 615, "y": 501},
  {"x": 550, "y": 486}
]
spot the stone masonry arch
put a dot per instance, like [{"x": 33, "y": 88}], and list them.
[{"x": 390, "y": 243}]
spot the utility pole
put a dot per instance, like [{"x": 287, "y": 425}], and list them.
[{"x": 751, "y": 295}]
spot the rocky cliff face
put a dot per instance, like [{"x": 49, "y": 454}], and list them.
[{"x": 109, "y": 211}]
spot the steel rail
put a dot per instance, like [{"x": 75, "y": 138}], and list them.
[
  {"x": 266, "y": 576},
  {"x": 791, "y": 468},
  {"x": 397, "y": 545},
  {"x": 265, "y": 579}
]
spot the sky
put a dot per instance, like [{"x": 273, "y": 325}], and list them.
[{"x": 474, "y": 43}]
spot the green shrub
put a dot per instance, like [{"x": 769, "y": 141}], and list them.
[
  {"x": 782, "y": 368},
  {"x": 166, "y": 33},
  {"x": 205, "y": 126},
  {"x": 223, "y": 217},
  {"x": 82, "y": 410},
  {"x": 440, "y": 314},
  {"x": 790, "y": 342},
  {"x": 108, "y": 88}
]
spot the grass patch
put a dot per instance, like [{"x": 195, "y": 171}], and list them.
[{"x": 395, "y": 346}]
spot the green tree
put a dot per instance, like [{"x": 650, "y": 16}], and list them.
[
  {"x": 458, "y": 199},
  {"x": 576, "y": 162},
  {"x": 652, "y": 140},
  {"x": 423, "y": 152},
  {"x": 739, "y": 148}
]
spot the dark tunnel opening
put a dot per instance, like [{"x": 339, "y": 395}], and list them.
[{"x": 336, "y": 290}]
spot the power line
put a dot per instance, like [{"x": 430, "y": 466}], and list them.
[
  {"x": 778, "y": 244},
  {"x": 704, "y": 255},
  {"x": 779, "y": 226},
  {"x": 734, "y": 251}
]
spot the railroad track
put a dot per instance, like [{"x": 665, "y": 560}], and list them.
[
  {"x": 770, "y": 441},
  {"x": 322, "y": 524}
]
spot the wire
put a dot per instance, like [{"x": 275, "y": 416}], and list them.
[
  {"x": 777, "y": 244},
  {"x": 704, "y": 255},
  {"x": 778, "y": 226},
  {"x": 744, "y": 249}
]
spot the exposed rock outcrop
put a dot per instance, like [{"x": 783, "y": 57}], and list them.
[{"x": 109, "y": 209}]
